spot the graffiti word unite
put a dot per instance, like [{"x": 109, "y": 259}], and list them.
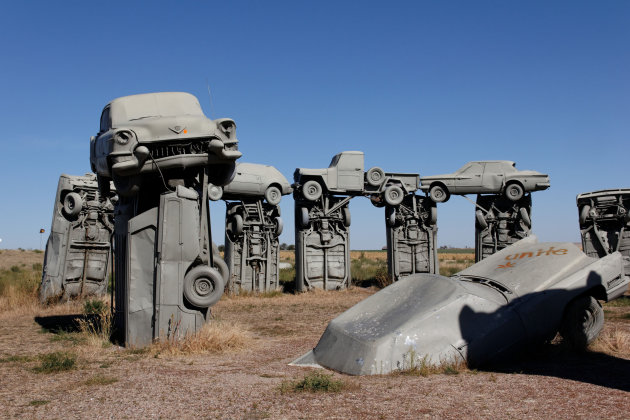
[{"x": 540, "y": 252}]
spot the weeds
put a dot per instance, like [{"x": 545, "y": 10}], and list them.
[
  {"x": 313, "y": 382},
  {"x": 622, "y": 301},
  {"x": 36, "y": 403},
  {"x": 413, "y": 365},
  {"x": 56, "y": 362},
  {"x": 18, "y": 287},
  {"x": 213, "y": 337},
  {"x": 612, "y": 341}
]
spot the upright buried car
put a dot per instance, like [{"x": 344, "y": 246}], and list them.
[
  {"x": 160, "y": 132},
  {"x": 479, "y": 177},
  {"x": 519, "y": 296}
]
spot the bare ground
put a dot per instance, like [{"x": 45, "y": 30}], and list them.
[{"x": 245, "y": 383}]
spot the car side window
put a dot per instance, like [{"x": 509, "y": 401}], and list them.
[
  {"x": 494, "y": 168},
  {"x": 105, "y": 121},
  {"x": 473, "y": 168}
]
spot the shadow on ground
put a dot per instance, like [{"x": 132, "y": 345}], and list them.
[
  {"x": 560, "y": 362},
  {"x": 65, "y": 323}
]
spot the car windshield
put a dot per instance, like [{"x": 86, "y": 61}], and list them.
[
  {"x": 469, "y": 168},
  {"x": 484, "y": 280}
]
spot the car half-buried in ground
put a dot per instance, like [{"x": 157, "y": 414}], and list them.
[
  {"x": 253, "y": 180},
  {"x": 484, "y": 177},
  {"x": 159, "y": 133},
  {"x": 514, "y": 299}
]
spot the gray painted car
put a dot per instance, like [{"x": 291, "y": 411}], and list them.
[
  {"x": 158, "y": 132},
  {"x": 489, "y": 176},
  {"x": 253, "y": 180},
  {"x": 518, "y": 297}
]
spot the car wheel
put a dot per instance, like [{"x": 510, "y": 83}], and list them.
[
  {"x": 278, "y": 226},
  {"x": 584, "y": 214},
  {"x": 439, "y": 194},
  {"x": 390, "y": 216},
  {"x": 236, "y": 225},
  {"x": 203, "y": 286},
  {"x": 525, "y": 217},
  {"x": 432, "y": 215},
  {"x": 347, "y": 219},
  {"x": 221, "y": 173},
  {"x": 104, "y": 187},
  {"x": 303, "y": 217},
  {"x": 72, "y": 204},
  {"x": 375, "y": 176},
  {"x": 394, "y": 195},
  {"x": 273, "y": 195},
  {"x": 222, "y": 267},
  {"x": 514, "y": 192},
  {"x": 481, "y": 219},
  {"x": 582, "y": 322},
  {"x": 215, "y": 192},
  {"x": 312, "y": 190},
  {"x": 127, "y": 186}
]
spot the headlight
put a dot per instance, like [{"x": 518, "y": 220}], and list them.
[{"x": 123, "y": 137}]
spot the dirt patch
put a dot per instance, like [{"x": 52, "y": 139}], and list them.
[{"x": 114, "y": 382}]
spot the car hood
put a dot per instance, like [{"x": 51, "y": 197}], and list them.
[
  {"x": 528, "y": 266},
  {"x": 415, "y": 320},
  {"x": 157, "y": 129}
]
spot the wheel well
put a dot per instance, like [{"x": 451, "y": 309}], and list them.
[
  {"x": 275, "y": 184},
  {"x": 515, "y": 181},
  {"x": 440, "y": 184},
  {"x": 318, "y": 179}
]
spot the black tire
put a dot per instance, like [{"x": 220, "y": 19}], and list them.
[
  {"x": 525, "y": 217},
  {"x": 203, "y": 286},
  {"x": 390, "y": 216},
  {"x": 582, "y": 322},
  {"x": 215, "y": 192},
  {"x": 394, "y": 195},
  {"x": 439, "y": 193},
  {"x": 127, "y": 186},
  {"x": 312, "y": 190},
  {"x": 584, "y": 214},
  {"x": 303, "y": 217},
  {"x": 72, "y": 204},
  {"x": 481, "y": 219},
  {"x": 279, "y": 226},
  {"x": 375, "y": 176},
  {"x": 347, "y": 219},
  {"x": 273, "y": 195},
  {"x": 514, "y": 191},
  {"x": 222, "y": 173}
]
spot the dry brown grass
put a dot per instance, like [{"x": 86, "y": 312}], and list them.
[
  {"x": 26, "y": 258},
  {"x": 214, "y": 337},
  {"x": 613, "y": 341}
]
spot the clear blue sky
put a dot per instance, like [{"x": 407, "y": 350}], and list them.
[{"x": 419, "y": 86}]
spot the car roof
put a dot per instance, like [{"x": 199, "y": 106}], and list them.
[
  {"x": 159, "y": 104},
  {"x": 508, "y": 162}
]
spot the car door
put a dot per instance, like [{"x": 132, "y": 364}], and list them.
[
  {"x": 245, "y": 182},
  {"x": 469, "y": 179},
  {"x": 493, "y": 177}
]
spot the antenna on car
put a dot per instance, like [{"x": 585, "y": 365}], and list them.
[{"x": 210, "y": 99}]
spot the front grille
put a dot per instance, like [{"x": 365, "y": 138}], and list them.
[{"x": 164, "y": 149}]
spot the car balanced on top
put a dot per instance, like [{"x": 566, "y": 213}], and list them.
[
  {"x": 345, "y": 175},
  {"x": 479, "y": 177}
]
